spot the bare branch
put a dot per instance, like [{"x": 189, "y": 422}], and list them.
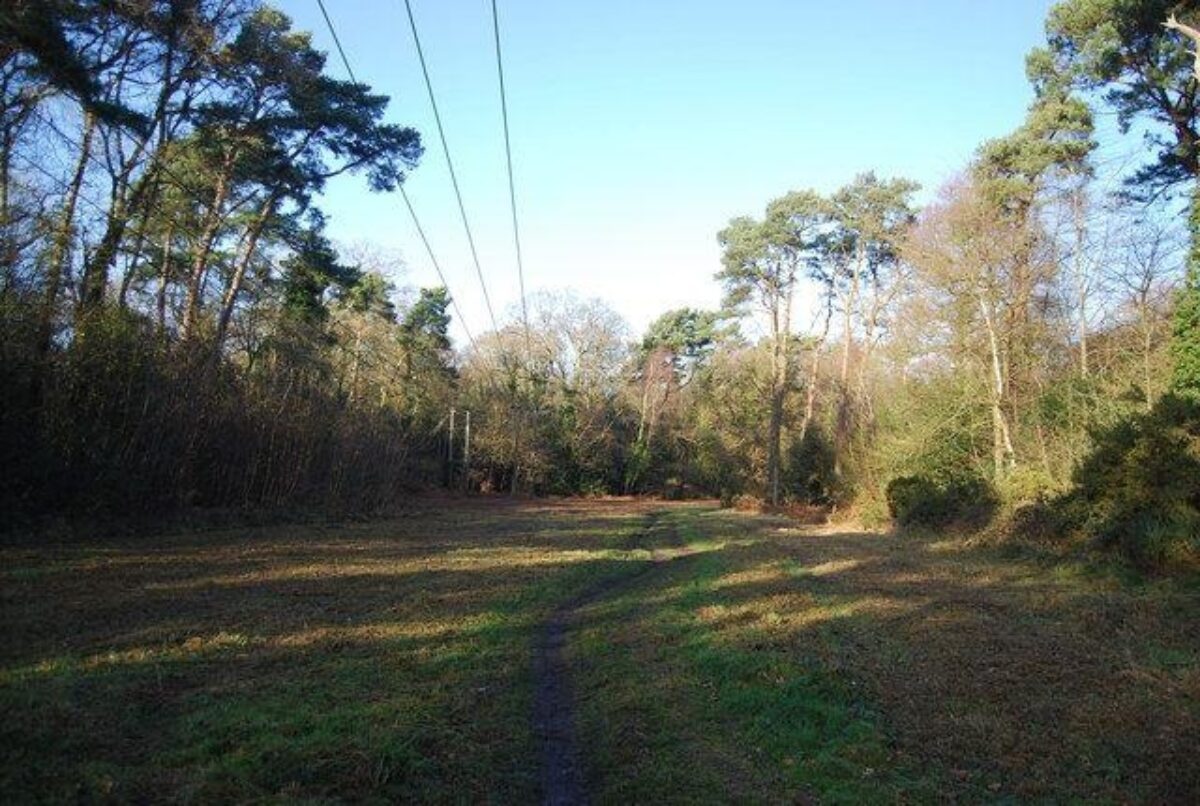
[{"x": 1174, "y": 24}]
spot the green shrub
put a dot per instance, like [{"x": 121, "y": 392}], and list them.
[
  {"x": 1139, "y": 490},
  {"x": 940, "y": 501},
  {"x": 1043, "y": 521},
  {"x": 871, "y": 509},
  {"x": 1027, "y": 485},
  {"x": 808, "y": 474}
]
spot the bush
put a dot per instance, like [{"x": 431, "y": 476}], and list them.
[
  {"x": 747, "y": 503},
  {"x": 1043, "y": 521},
  {"x": 1138, "y": 492},
  {"x": 941, "y": 501},
  {"x": 871, "y": 509},
  {"x": 119, "y": 423},
  {"x": 808, "y": 473},
  {"x": 1028, "y": 485}
]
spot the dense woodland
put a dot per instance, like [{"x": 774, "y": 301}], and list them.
[{"x": 178, "y": 330}]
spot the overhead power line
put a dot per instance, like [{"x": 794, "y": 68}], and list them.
[
  {"x": 337, "y": 41},
  {"x": 512, "y": 200},
  {"x": 403, "y": 193},
  {"x": 437, "y": 116},
  {"x": 454, "y": 181},
  {"x": 437, "y": 266},
  {"x": 512, "y": 189}
]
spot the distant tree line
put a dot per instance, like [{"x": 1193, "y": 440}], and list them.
[
  {"x": 1024, "y": 345},
  {"x": 179, "y": 331}
]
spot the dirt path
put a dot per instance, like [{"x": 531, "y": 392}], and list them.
[{"x": 553, "y": 706}]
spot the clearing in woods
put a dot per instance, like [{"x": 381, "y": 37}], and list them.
[{"x": 602, "y": 651}]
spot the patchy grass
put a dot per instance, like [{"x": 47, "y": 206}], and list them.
[
  {"x": 371, "y": 661},
  {"x": 804, "y": 664},
  {"x": 687, "y": 661},
  {"x": 755, "y": 662}
]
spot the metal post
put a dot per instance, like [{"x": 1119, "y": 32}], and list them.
[
  {"x": 466, "y": 451},
  {"x": 450, "y": 450}
]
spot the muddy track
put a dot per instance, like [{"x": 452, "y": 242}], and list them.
[{"x": 553, "y": 705}]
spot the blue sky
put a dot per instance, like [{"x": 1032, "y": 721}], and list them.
[{"x": 641, "y": 128}]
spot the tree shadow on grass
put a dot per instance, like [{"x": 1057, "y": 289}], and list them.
[
  {"x": 393, "y": 661},
  {"x": 868, "y": 666},
  {"x": 390, "y": 664}
]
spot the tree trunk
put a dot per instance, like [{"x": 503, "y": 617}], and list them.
[
  {"x": 139, "y": 242},
  {"x": 781, "y": 315},
  {"x": 774, "y": 436},
  {"x": 125, "y": 201},
  {"x": 239, "y": 271},
  {"x": 1081, "y": 278},
  {"x": 203, "y": 249},
  {"x": 164, "y": 279},
  {"x": 810, "y": 394},
  {"x": 60, "y": 251},
  {"x": 842, "y": 429},
  {"x": 516, "y": 474},
  {"x": 879, "y": 303},
  {"x": 8, "y": 251},
  {"x": 644, "y": 411},
  {"x": 1002, "y": 448},
  {"x": 1147, "y": 327}
]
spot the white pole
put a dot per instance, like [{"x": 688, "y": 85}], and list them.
[
  {"x": 466, "y": 450},
  {"x": 450, "y": 450}
]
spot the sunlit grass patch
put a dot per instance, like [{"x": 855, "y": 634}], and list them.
[
  {"x": 193, "y": 648},
  {"x": 823, "y": 569},
  {"x": 724, "y": 708},
  {"x": 855, "y": 668}
]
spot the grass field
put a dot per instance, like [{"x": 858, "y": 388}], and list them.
[{"x": 709, "y": 656}]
